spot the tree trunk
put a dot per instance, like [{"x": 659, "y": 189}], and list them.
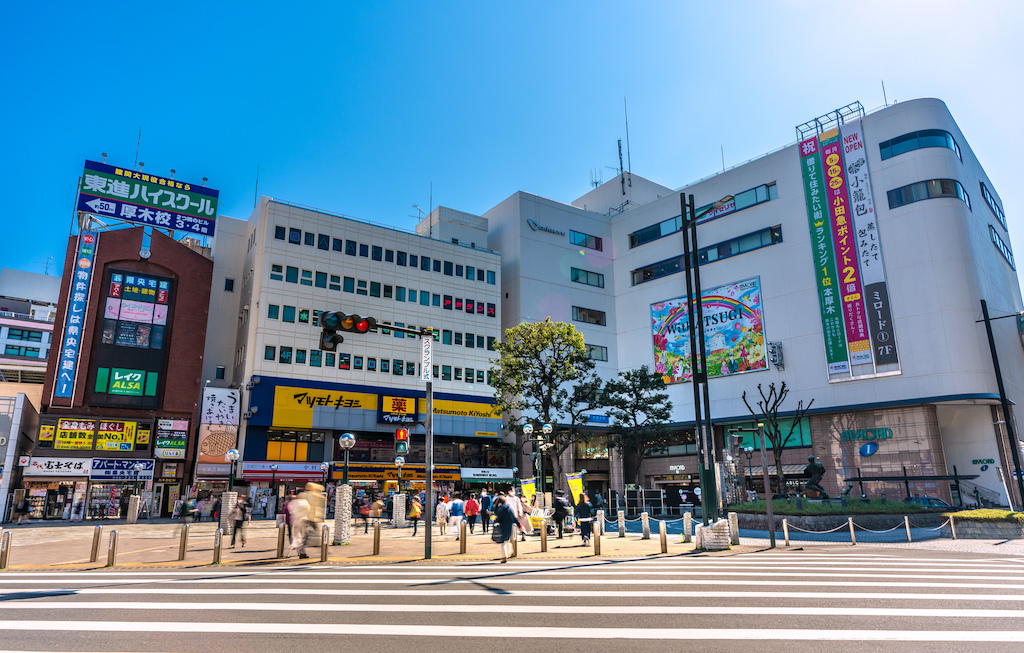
[{"x": 777, "y": 452}]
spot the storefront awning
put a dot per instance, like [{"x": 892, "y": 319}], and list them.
[{"x": 788, "y": 470}]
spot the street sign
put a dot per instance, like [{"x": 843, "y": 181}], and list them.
[
  {"x": 426, "y": 363},
  {"x": 399, "y": 461}
]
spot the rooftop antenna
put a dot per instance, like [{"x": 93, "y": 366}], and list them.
[
  {"x": 138, "y": 144},
  {"x": 723, "y": 157},
  {"x": 629, "y": 162},
  {"x": 430, "y": 223},
  {"x": 104, "y": 154},
  {"x": 884, "y": 99},
  {"x": 204, "y": 182},
  {"x": 256, "y": 193},
  {"x": 622, "y": 177},
  {"x": 172, "y": 172}
]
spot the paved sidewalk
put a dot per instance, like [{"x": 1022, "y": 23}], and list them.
[{"x": 49, "y": 546}]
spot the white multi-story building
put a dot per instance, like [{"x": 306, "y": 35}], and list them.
[
  {"x": 287, "y": 264},
  {"x": 28, "y": 305},
  {"x": 874, "y": 305}
]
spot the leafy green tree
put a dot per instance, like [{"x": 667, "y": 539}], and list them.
[
  {"x": 639, "y": 410},
  {"x": 768, "y": 407},
  {"x": 535, "y": 374}
]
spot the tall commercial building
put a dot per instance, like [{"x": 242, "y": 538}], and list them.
[
  {"x": 295, "y": 262},
  {"x": 858, "y": 257}
]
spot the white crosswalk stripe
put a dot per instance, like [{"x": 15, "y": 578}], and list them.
[{"x": 766, "y": 597}]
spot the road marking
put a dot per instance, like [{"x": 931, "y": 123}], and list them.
[
  {"x": 521, "y": 609},
  {"x": 633, "y": 594},
  {"x": 519, "y": 632}
]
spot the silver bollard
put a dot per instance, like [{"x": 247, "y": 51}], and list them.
[
  {"x": 734, "y": 528},
  {"x": 281, "y": 530},
  {"x": 906, "y": 522},
  {"x": 952, "y": 528},
  {"x": 183, "y": 545},
  {"x": 544, "y": 536},
  {"x": 5, "y": 548},
  {"x": 325, "y": 536},
  {"x": 645, "y": 523},
  {"x": 218, "y": 541},
  {"x": 94, "y": 552},
  {"x": 376, "y": 538},
  {"x": 597, "y": 541},
  {"x": 663, "y": 532},
  {"x": 622, "y": 523},
  {"x": 463, "y": 526},
  {"x": 599, "y": 530},
  {"x": 853, "y": 537},
  {"x": 515, "y": 540},
  {"x": 112, "y": 549},
  {"x": 687, "y": 527},
  {"x": 785, "y": 531}
]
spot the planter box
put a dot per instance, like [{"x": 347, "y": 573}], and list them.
[{"x": 978, "y": 530}]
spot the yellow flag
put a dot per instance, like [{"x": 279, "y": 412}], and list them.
[
  {"x": 529, "y": 488},
  {"x": 575, "y": 485}
]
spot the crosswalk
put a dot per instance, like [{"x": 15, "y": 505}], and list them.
[{"x": 773, "y": 597}]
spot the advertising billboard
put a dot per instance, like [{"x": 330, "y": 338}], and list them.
[
  {"x": 147, "y": 199},
  {"x": 733, "y": 332},
  {"x": 74, "y": 323}
]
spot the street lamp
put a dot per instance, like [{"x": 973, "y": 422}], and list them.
[
  {"x": 346, "y": 442},
  {"x": 399, "y": 461},
  {"x": 138, "y": 468},
  {"x": 540, "y": 444},
  {"x": 273, "y": 481},
  {"x": 698, "y": 362},
  {"x": 323, "y": 469},
  {"x": 231, "y": 456},
  {"x": 750, "y": 454}
]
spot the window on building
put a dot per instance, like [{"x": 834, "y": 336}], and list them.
[
  {"x": 337, "y": 245},
  {"x": 402, "y": 259},
  {"x": 399, "y": 293},
  {"x": 315, "y": 357},
  {"x": 491, "y": 310},
  {"x": 289, "y": 314},
  {"x": 291, "y": 275},
  {"x": 389, "y": 255},
  {"x": 446, "y": 372},
  {"x": 597, "y": 352},
  {"x": 360, "y": 287},
  {"x": 357, "y": 362},
  {"x": 470, "y": 374},
  {"x": 279, "y": 232},
  {"x": 276, "y": 272},
  {"x": 458, "y": 270},
  {"x": 269, "y": 353},
  {"x": 425, "y": 263},
  {"x": 15, "y": 350},
  {"x": 918, "y": 140},
  {"x": 374, "y": 289},
  {"x": 371, "y": 364},
  {"x": 746, "y": 199},
  {"x": 435, "y": 300},
  {"x": 364, "y": 250},
  {"x": 480, "y": 342},
  {"x": 446, "y": 337},
  {"x": 458, "y": 337},
  {"x": 585, "y": 240},
  {"x": 490, "y": 277},
  {"x": 410, "y": 368},
  {"x": 725, "y": 249},
  {"x": 389, "y": 291},
  {"x": 321, "y": 280},
  {"x": 295, "y": 236},
  {"x": 310, "y": 239},
  {"x": 993, "y": 204},
  {"x": 385, "y": 365},
  {"x": 24, "y": 334},
  {"x": 349, "y": 284},
  {"x": 449, "y": 268},
  {"x": 414, "y": 261},
  {"x": 300, "y": 356},
  {"x": 437, "y": 265},
  {"x": 307, "y": 278},
  {"x": 323, "y": 242},
  {"x": 286, "y": 356},
  {"x": 458, "y": 373},
  {"x": 470, "y": 340},
  {"x": 219, "y": 373},
  {"x": 447, "y": 302},
  {"x": 335, "y": 282},
  {"x": 470, "y": 272},
  {"x": 424, "y": 298},
  {"x": 328, "y": 359},
  {"x": 304, "y": 316},
  {"x": 378, "y": 253},
  {"x": 927, "y": 190},
  {"x": 470, "y": 306},
  {"x": 350, "y": 247},
  {"x": 588, "y": 278},
  {"x": 397, "y": 367},
  {"x": 273, "y": 311},
  {"x": 412, "y": 295},
  {"x": 229, "y": 285},
  {"x": 490, "y": 342}
]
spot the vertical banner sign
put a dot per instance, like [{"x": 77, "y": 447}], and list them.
[
  {"x": 74, "y": 324},
  {"x": 426, "y": 364},
  {"x": 844, "y": 240},
  {"x": 869, "y": 245},
  {"x": 575, "y": 481},
  {"x": 528, "y": 486},
  {"x": 824, "y": 259}
]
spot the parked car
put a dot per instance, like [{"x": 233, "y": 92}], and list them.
[{"x": 929, "y": 502}]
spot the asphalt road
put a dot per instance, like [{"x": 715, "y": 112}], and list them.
[{"x": 823, "y": 599}]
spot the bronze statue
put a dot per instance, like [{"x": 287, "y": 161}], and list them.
[{"x": 815, "y": 471}]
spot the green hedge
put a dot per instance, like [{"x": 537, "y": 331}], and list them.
[
  {"x": 989, "y": 515},
  {"x": 788, "y": 507}
]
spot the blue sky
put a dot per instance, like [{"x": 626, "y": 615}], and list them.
[{"x": 359, "y": 108}]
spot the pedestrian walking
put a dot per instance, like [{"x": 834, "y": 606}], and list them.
[
  {"x": 287, "y": 515},
  {"x": 521, "y": 512},
  {"x": 415, "y": 511},
  {"x": 298, "y": 508},
  {"x": 21, "y": 510},
  {"x": 362, "y": 508},
  {"x": 585, "y": 515},
  {"x": 486, "y": 502},
  {"x": 503, "y": 520},
  {"x": 376, "y": 509},
  {"x": 561, "y": 511},
  {"x": 237, "y": 517},
  {"x": 472, "y": 509},
  {"x": 456, "y": 510},
  {"x": 216, "y": 510},
  {"x": 314, "y": 496},
  {"x": 442, "y": 514}
]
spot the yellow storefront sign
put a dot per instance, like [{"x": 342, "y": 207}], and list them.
[
  {"x": 75, "y": 433},
  {"x": 466, "y": 409},
  {"x": 293, "y": 407},
  {"x": 116, "y": 436}
]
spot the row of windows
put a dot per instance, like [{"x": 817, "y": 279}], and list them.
[
  {"x": 595, "y": 279},
  {"x": 725, "y": 249},
  {"x": 993, "y": 204},
  {"x": 26, "y": 335},
  {"x": 589, "y": 315},
  {"x": 918, "y": 140},
  {"x": 927, "y": 190},
  {"x": 1003, "y": 248},
  {"x": 746, "y": 199},
  {"x": 586, "y": 240},
  {"x": 378, "y": 253},
  {"x": 14, "y": 350},
  {"x": 393, "y": 366}
]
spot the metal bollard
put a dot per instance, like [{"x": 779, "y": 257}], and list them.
[
  {"x": 94, "y": 552},
  {"x": 785, "y": 531},
  {"x": 462, "y": 536},
  {"x": 853, "y": 538},
  {"x": 645, "y": 523},
  {"x": 597, "y": 542},
  {"x": 687, "y": 527},
  {"x": 218, "y": 541},
  {"x": 112, "y": 549},
  {"x": 183, "y": 545},
  {"x": 325, "y": 536},
  {"x": 952, "y": 528},
  {"x": 281, "y": 530},
  {"x": 906, "y": 522},
  {"x": 544, "y": 536},
  {"x": 5, "y": 548},
  {"x": 599, "y": 530},
  {"x": 663, "y": 532},
  {"x": 376, "y": 538},
  {"x": 734, "y": 528},
  {"x": 622, "y": 523},
  {"x": 515, "y": 540}
]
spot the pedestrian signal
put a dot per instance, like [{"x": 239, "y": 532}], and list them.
[{"x": 401, "y": 441}]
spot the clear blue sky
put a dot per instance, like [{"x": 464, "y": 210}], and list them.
[{"x": 357, "y": 108}]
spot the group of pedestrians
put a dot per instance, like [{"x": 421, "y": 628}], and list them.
[{"x": 304, "y": 516}]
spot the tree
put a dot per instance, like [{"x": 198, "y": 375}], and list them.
[
  {"x": 538, "y": 363},
  {"x": 639, "y": 411},
  {"x": 769, "y": 406}
]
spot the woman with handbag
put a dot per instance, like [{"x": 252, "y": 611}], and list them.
[
  {"x": 585, "y": 515},
  {"x": 502, "y": 531}
]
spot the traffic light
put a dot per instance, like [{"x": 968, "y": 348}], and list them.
[
  {"x": 333, "y": 321},
  {"x": 734, "y": 444},
  {"x": 401, "y": 441}
]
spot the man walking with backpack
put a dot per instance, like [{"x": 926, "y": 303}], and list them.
[
  {"x": 561, "y": 511},
  {"x": 485, "y": 509}
]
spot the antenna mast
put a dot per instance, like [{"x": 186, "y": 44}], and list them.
[
  {"x": 138, "y": 144},
  {"x": 622, "y": 177},
  {"x": 629, "y": 162}
]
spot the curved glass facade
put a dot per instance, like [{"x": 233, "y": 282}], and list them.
[
  {"x": 916, "y": 141},
  {"x": 927, "y": 190}
]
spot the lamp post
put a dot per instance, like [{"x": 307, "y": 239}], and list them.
[
  {"x": 273, "y": 482},
  {"x": 399, "y": 461},
  {"x": 1004, "y": 402},
  {"x": 231, "y": 456},
  {"x": 750, "y": 454},
  {"x": 346, "y": 442},
  {"x": 323, "y": 470},
  {"x": 138, "y": 468},
  {"x": 698, "y": 362},
  {"x": 539, "y": 446}
]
